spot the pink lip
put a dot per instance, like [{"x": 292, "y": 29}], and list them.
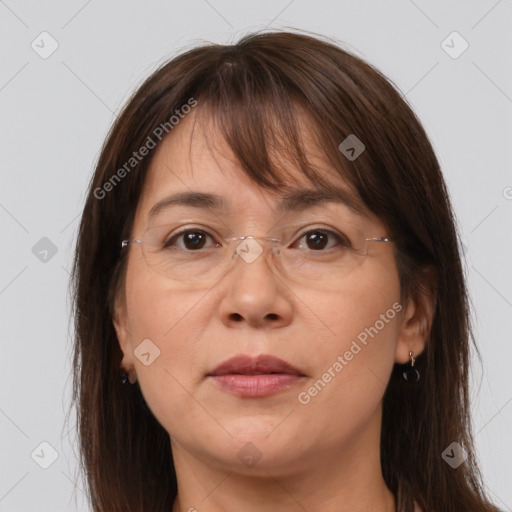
[{"x": 247, "y": 376}]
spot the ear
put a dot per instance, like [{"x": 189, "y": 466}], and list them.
[
  {"x": 416, "y": 321},
  {"x": 122, "y": 332}
]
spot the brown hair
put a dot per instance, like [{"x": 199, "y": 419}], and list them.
[{"x": 254, "y": 90}]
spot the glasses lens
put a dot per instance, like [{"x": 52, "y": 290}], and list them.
[
  {"x": 191, "y": 254},
  {"x": 322, "y": 255}
]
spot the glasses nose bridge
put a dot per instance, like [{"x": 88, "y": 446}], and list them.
[{"x": 250, "y": 248}]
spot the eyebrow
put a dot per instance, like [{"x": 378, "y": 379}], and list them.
[{"x": 296, "y": 200}]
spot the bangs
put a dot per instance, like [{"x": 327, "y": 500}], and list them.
[{"x": 269, "y": 128}]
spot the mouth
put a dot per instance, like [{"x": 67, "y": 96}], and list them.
[{"x": 247, "y": 376}]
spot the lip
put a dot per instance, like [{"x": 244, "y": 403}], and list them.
[{"x": 247, "y": 376}]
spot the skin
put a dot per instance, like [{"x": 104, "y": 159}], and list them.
[{"x": 323, "y": 455}]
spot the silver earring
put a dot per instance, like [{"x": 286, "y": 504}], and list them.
[{"x": 411, "y": 374}]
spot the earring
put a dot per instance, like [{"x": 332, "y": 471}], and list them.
[
  {"x": 411, "y": 374},
  {"x": 125, "y": 377}
]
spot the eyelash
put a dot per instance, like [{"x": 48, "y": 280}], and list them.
[{"x": 342, "y": 239}]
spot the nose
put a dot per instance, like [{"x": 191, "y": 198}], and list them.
[{"x": 255, "y": 292}]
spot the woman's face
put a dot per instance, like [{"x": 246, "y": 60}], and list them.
[{"x": 342, "y": 332}]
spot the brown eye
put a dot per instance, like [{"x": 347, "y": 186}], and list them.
[
  {"x": 194, "y": 240},
  {"x": 318, "y": 239},
  {"x": 191, "y": 240}
]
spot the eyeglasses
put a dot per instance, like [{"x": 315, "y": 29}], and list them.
[
  {"x": 186, "y": 256},
  {"x": 194, "y": 262}
]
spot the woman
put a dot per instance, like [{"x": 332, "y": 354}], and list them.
[{"x": 268, "y": 254}]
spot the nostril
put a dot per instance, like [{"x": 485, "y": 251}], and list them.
[
  {"x": 236, "y": 316},
  {"x": 272, "y": 316}
]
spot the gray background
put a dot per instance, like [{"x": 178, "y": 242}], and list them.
[{"x": 56, "y": 112}]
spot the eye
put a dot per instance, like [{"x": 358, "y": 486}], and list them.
[
  {"x": 191, "y": 239},
  {"x": 318, "y": 239}
]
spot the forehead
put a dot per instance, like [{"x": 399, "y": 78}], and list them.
[{"x": 195, "y": 167}]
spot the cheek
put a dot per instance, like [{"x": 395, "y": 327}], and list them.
[
  {"x": 166, "y": 323},
  {"x": 360, "y": 299},
  {"x": 357, "y": 356}
]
